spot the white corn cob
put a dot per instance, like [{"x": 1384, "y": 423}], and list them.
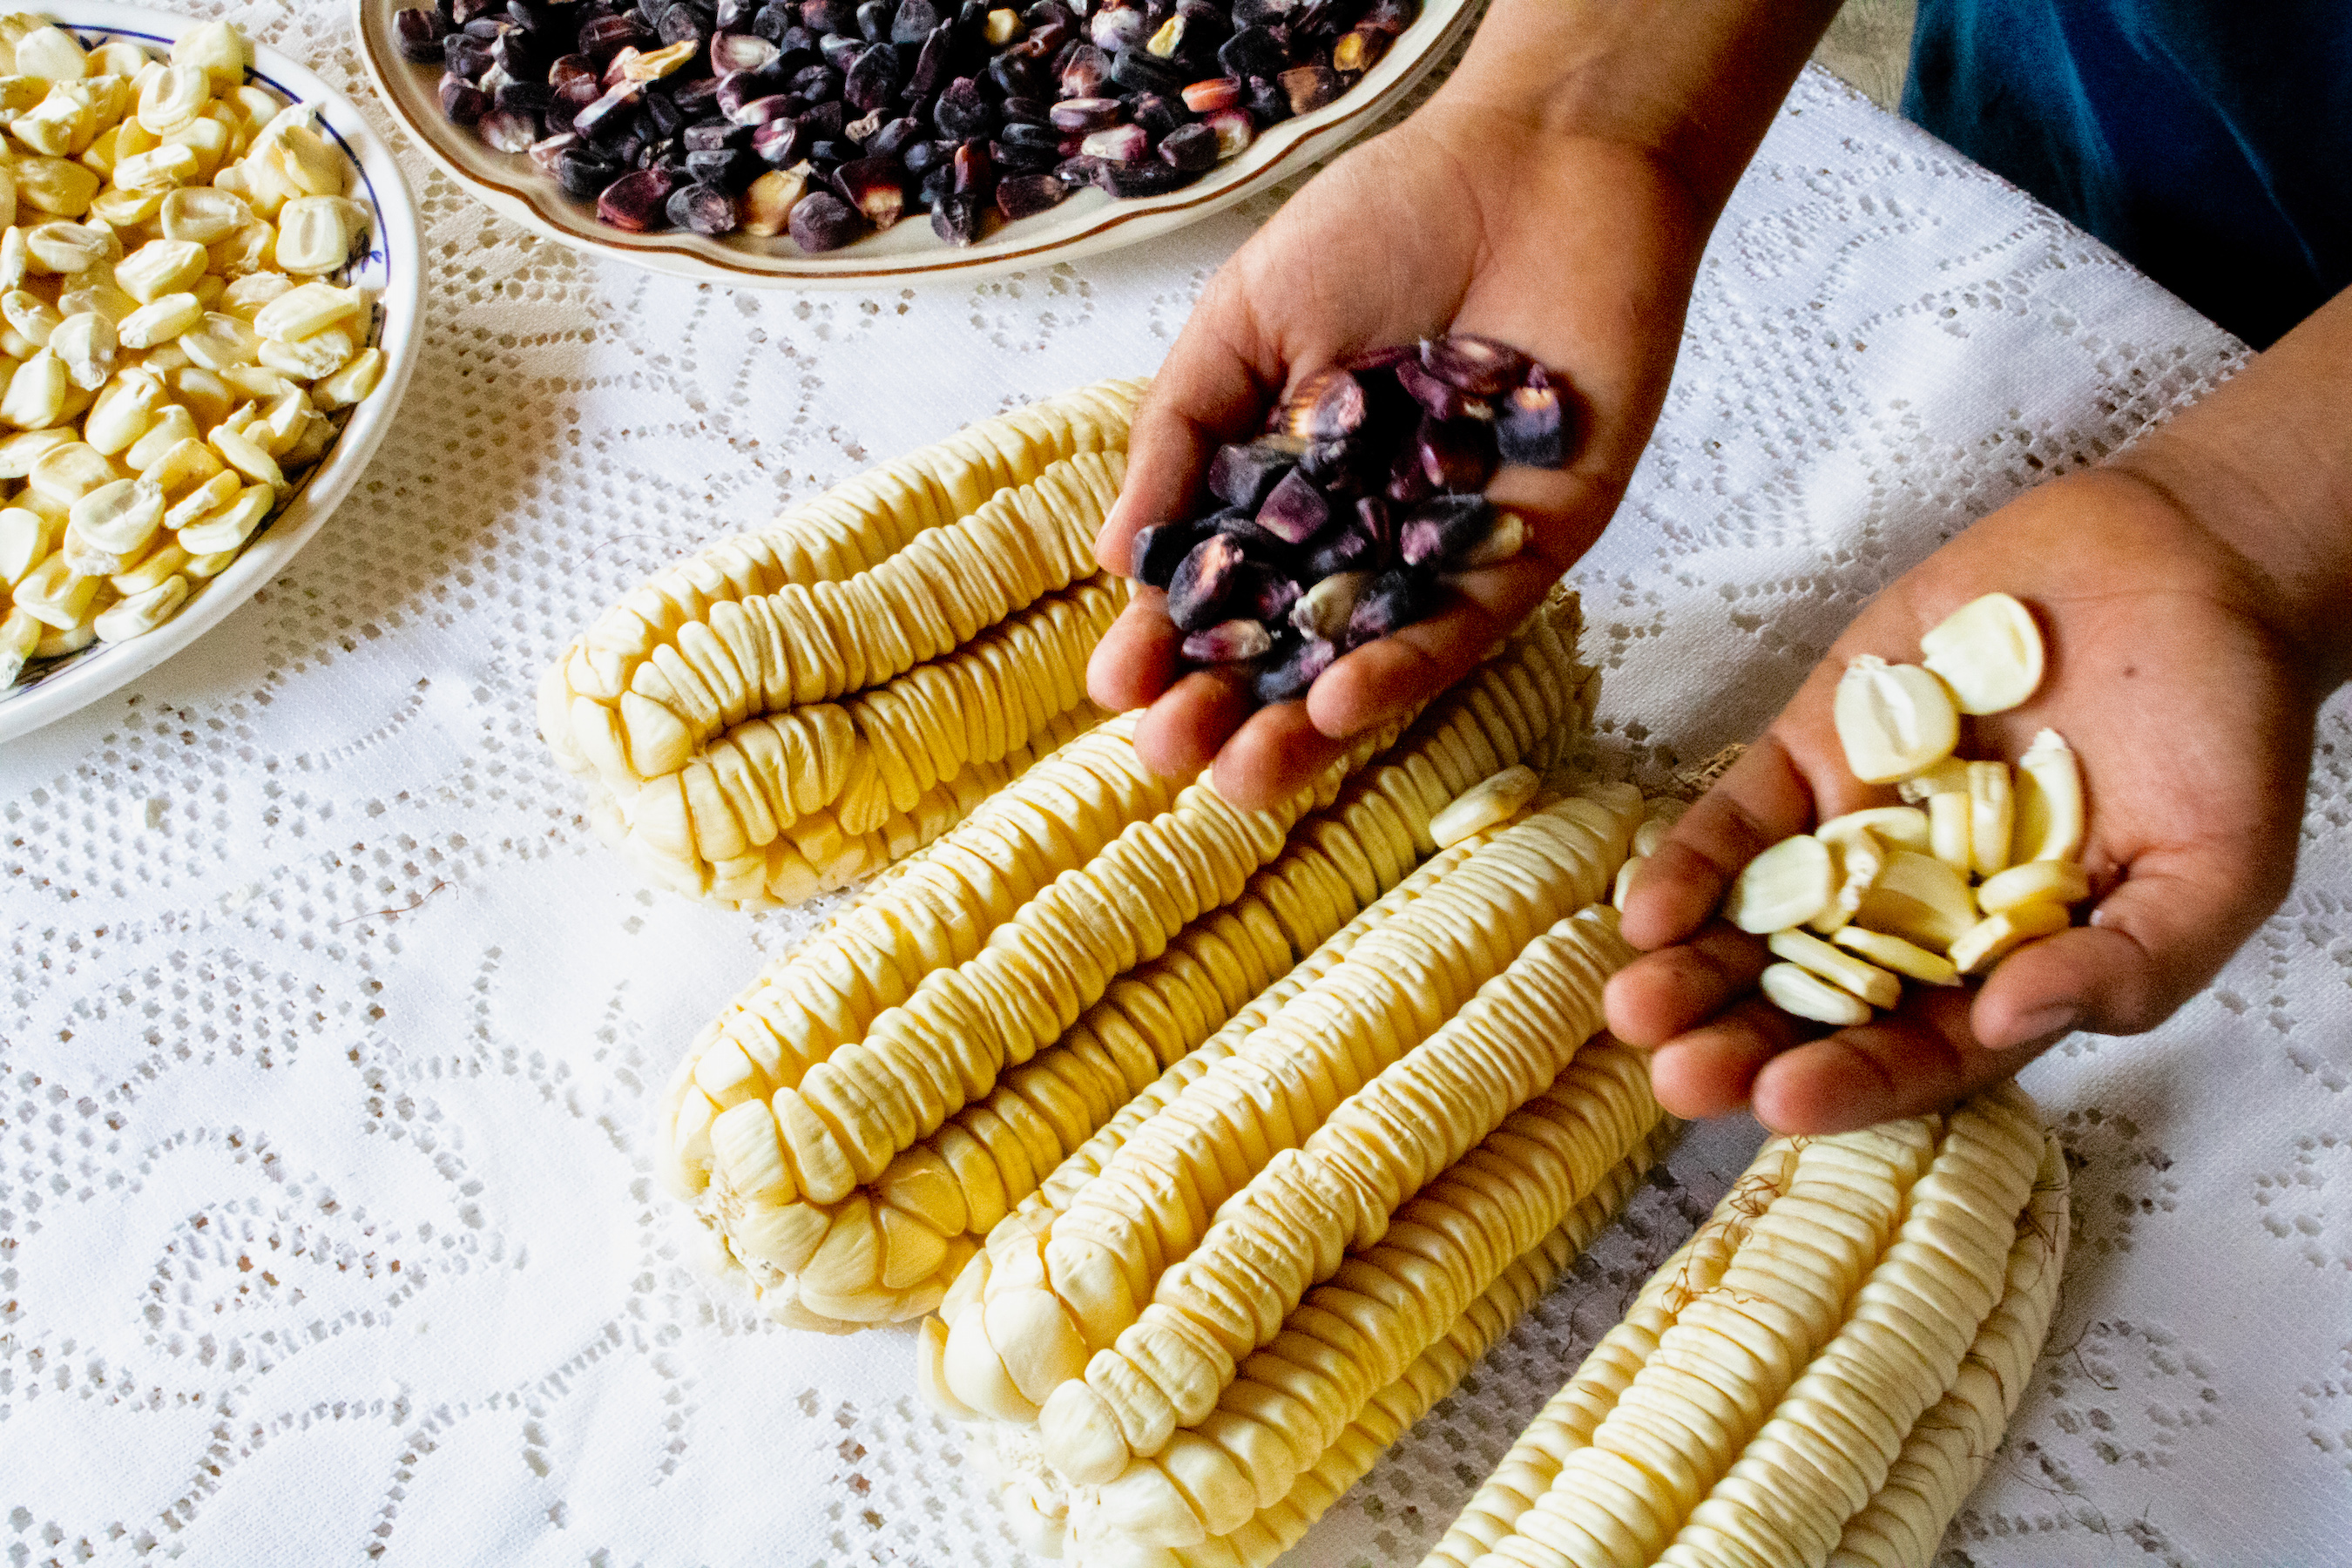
[
  {"x": 876, "y": 1101},
  {"x": 780, "y": 713},
  {"x": 1086, "y": 1279},
  {"x": 1778, "y": 1392}
]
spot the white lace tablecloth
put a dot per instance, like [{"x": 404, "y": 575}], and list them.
[{"x": 328, "y": 1036}]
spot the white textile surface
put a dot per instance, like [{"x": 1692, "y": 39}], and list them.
[{"x": 330, "y": 1035}]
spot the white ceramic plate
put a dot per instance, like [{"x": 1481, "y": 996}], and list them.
[
  {"x": 1086, "y": 223},
  {"x": 391, "y": 271}
]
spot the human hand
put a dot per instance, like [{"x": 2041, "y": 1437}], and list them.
[
  {"x": 1579, "y": 250},
  {"x": 2177, "y": 675}
]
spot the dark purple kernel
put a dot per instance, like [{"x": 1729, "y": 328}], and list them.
[
  {"x": 1479, "y": 366},
  {"x": 1190, "y": 148},
  {"x": 1294, "y": 510},
  {"x": 1531, "y": 424},
  {"x": 1205, "y": 581},
  {"x": 1441, "y": 527},
  {"x": 638, "y": 201},
  {"x": 1242, "y": 476},
  {"x": 1284, "y": 674},
  {"x": 706, "y": 209},
  {"x": 1027, "y": 195},
  {"x": 1156, "y": 551},
  {"x": 823, "y": 221},
  {"x": 420, "y": 32},
  {"x": 1396, "y": 599}
]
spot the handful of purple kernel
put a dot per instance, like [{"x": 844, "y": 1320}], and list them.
[
  {"x": 1339, "y": 524},
  {"x": 831, "y": 119}
]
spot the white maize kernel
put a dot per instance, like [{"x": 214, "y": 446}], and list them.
[
  {"x": 120, "y": 209},
  {"x": 54, "y": 593},
  {"x": 1893, "y": 720},
  {"x": 57, "y": 643},
  {"x": 36, "y": 398},
  {"x": 56, "y": 186},
  {"x": 25, "y": 539},
  {"x": 2049, "y": 801},
  {"x": 174, "y": 96},
  {"x": 161, "y": 321},
  {"x": 52, "y": 54},
  {"x": 70, "y": 248},
  {"x": 140, "y": 613},
  {"x": 312, "y": 235},
  {"x": 1947, "y": 828},
  {"x": 1844, "y": 970},
  {"x": 218, "y": 50},
  {"x": 307, "y": 310},
  {"x": 121, "y": 517},
  {"x": 1987, "y": 652},
  {"x": 1991, "y": 817},
  {"x": 247, "y": 294},
  {"x": 233, "y": 525},
  {"x": 220, "y": 342},
  {"x": 247, "y": 458},
  {"x": 161, "y": 267},
  {"x": 1623, "y": 887},
  {"x": 67, "y": 473},
  {"x": 170, "y": 426},
  {"x": 118, "y": 56},
  {"x": 1903, "y": 958},
  {"x": 20, "y": 633},
  {"x": 1483, "y": 805},
  {"x": 312, "y": 161},
  {"x": 313, "y": 358},
  {"x": 1918, "y": 899},
  {"x": 19, "y": 452},
  {"x": 125, "y": 407},
  {"x": 159, "y": 172},
  {"x": 32, "y": 317},
  {"x": 207, "y": 394},
  {"x": 1861, "y": 856},
  {"x": 164, "y": 560},
  {"x": 203, "y": 215},
  {"x": 203, "y": 567},
  {"x": 16, "y": 255},
  {"x": 1804, "y": 994},
  {"x": 85, "y": 344},
  {"x": 188, "y": 463},
  {"x": 103, "y": 298},
  {"x": 2034, "y": 882},
  {"x": 198, "y": 504},
  {"x": 1902, "y": 827},
  {"x": 346, "y": 386},
  {"x": 1787, "y": 885},
  {"x": 1995, "y": 937},
  {"x": 247, "y": 250},
  {"x": 254, "y": 381}
]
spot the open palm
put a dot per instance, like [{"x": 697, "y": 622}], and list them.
[
  {"x": 2191, "y": 716},
  {"x": 1580, "y": 251}
]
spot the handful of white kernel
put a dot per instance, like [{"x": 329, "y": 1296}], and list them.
[
  {"x": 1979, "y": 862},
  {"x": 174, "y": 350}
]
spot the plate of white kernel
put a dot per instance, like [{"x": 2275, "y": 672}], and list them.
[{"x": 209, "y": 284}]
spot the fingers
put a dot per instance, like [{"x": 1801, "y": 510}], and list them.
[
  {"x": 1918, "y": 1058},
  {"x": 2152, "y": 944},
  {"x": 1277, "y": 752},
  {"x": 1707, "y": 1071},
  {"x": 1384, "y": 679},
  {"x": 1762, "y": 799},
  {"x": 1136, "y": 659},
  {"x": 1664, "y": 995},
  {"x": 1182, "y": 733},
  {"x": 1215, "y": 387}
]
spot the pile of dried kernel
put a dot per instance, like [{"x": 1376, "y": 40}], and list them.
[
  {"x": 173, "y": 348},
  {"x": 1340, "y": 524},
  {"x": 1980, "y": 861},
  {"x": 832, "y": 118}
]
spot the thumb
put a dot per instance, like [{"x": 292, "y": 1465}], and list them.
[{"x": 2151, "y": 944}]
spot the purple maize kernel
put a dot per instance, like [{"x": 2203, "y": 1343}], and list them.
[
  {"x": 1252, "y": 51},
  {"x": 1438, "y": 399},
  {"x": 1285, "y": 673},
  {"x": 1242, "y": 476},
  {"x": 823, "y": 221},
  {"x": 1079, "y": 172},
  {"x": 1267, "y": 103},
  {"x": 1275, "y": 593},
  {"x": 1391, "y": 16},
  {"x": 1087, "y": 113},
  {"x": 505, "y": 132},
  {"x": 1160, "y": 113},
  {"x": 874, "y": 20},
  {"x": 823, "y": 122},
  {"x": 421, "y": 32},
  {"x": 1531, "y": 424},
  {"x": 1396, "y": 599},
  {"x": 705, "y": 209},
  {"x": 574, "y": 67},
  {"x": 829, "y": 16},
  {"x": 1205, "y": 581},
  {"x": 1086, "y": 74},
  {"x": 728, "y": 168},
  {"x": 914, "y": 21},
  {"x": 933, "y": 61},
  {"x": 1441, "y": 527},
  {"x": 958, "y": 220},
  {"x": 1027, "y": 195},
  {"x": 1344, "y": 549},
  {"x": 1156, "y": 551},
  {"x": 1138, "y": 70},
  {"x": 962, "y": 112},
  {"x": 1324, "y": 406},
  {"x": 1235, "y": 128},
  {"x": 465, "y": 57},
  {"x": 1294, "y": 510},
  {"x": 637, "y": 202},
  {"x": 1118, "y": 31},
  {"x": 583, "y": 172},
  {"x": 1334, "y": 465},
  {"x": 1228, "y": 642},
  {"x": 779, "y": 143},
  {"x": 732, "y": 52},
  {"x": 1479, "y": 366},
  {"x": 545, "y": 152},
  {"x": 876, "y": 187},
  {"x": 835, "y": 50},
  {"x": 462, "y": 101},
  {"x": 1118, "y": 144},
  {"x": 1458, "y": 454},
  {"x": 972, "y": 170},
  {"x": 873, "y": 78},
  {"x": 818, "y": 83},
  {"x": 711, "y": 137}
]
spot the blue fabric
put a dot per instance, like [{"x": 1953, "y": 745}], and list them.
[{"x": 2208, "y": 141}]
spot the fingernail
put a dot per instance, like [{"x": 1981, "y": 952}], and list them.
[{"x": 2043, "y": 1023}]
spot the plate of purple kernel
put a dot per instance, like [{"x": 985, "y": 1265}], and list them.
[
  {"x": 1340, "y": 524},
  {"x": 850, "y": 142}
]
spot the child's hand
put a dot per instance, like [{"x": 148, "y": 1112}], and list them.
[
  {"x": 1555, "y": 193},
  {"x": 2191, "y": 712},
  {"x": 1577, "y": 252}
]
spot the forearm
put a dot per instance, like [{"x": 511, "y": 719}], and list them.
[
  {"x": 1695, "y": 82},
  {"x": 2264, "y": 465}
]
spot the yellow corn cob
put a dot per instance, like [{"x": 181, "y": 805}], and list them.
[
  {"x": 1085, "y": 1283},
  {"x": 1038, "y": 1505},
  {"x": 877, "y": 1099},
  {"x": 953, "y": 593},
  {"x": 1812, "y": 1375}
]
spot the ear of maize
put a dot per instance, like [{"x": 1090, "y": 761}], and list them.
[
  {"x": 1817, "y": 1376},
  {"x": 877, "y": 1101},
  {"x": 1038, "y": 1506},
  {"x": 1073, "y": 1288},
  {"x": 795, "y": 707}
]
